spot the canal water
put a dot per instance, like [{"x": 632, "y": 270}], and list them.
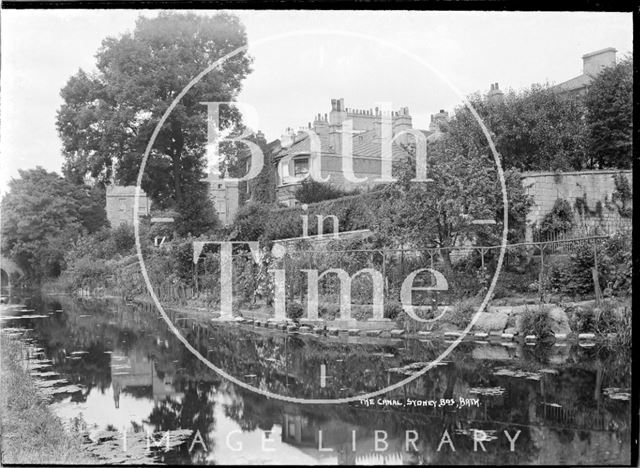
[{"x": 112, "y": 367}]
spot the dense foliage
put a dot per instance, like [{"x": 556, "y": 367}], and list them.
[
  {"x": 609, "y": 117},
  {"x": 574, "y": 276},
  {"x": 312, "y": 191},
  {"x": 107, "y": 118},
  {"x": 533, "y": 129},
  {"x": 559, "y": 219},
  {"x": 42, "y": 214}
]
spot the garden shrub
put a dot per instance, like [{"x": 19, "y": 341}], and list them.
[
  {"x": 536, "y": 321},
  {"x": 612, "y": 317},
  {"x": 393, "y": 309},
  {"x": 262, "y": 222},
  {"x": 329, "y": 311},
  {"x": 295, "y": 310},
  {"x": 559, "y": 219},
  {"x": 573, "y": 276},
  {"x": 124, "y": 239},
  {"x": 462, "y": 312},
  {"x": 312, "y": 191},
  {"x": 581, "y": 319}
]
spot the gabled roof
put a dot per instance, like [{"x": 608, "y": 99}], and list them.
[{"x": 578, "y": 82}]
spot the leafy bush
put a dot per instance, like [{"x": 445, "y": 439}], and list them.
[
  {"x": 312, "y": 191},
  {"x": 617, "y": 257},
  {"x": 536, "y": 321},
  {"x": 329, "y": 311},
  {"x": 581, "y": 319},
  {"x": 256, "y": 221},
  {"x": 90, "y": 272},
  {"x": 124, "y": 239},
  {"x": 462, "y": 313},
  {"x": 393, "y": 309},
  {"x": 574, "y": 276},
  {"x": 622, "y": 197},
  {"x": 559, "y": 219},
  {"x": 294, "y": 310}
]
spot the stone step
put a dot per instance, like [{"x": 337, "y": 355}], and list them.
[{"x": 586, "y": 336}]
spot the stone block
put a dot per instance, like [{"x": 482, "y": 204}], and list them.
[
  {"x": 559, "y": 321},
  {"x": 495, "y": 320},
  {"x": 586, "y": 336}
]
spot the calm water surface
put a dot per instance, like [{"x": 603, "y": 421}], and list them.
[{"x": 120, "y": 368}]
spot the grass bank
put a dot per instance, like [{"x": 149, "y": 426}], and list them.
[{"x": 30, "y": 432}]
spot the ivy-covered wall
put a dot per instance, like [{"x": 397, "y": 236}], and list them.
[{"x": 598, "y": 198}]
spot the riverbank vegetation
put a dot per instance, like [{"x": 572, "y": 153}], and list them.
[{"x": 31, "y": 433}]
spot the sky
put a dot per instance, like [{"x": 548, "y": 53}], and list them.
[{"x": 302, "y": 59}]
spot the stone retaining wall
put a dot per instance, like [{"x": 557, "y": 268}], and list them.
[{"x": 592, "y": 186}]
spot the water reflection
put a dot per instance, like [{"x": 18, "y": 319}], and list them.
[{"x": 132, "y": 374}]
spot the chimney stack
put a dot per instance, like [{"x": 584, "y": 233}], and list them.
[
  {"x": 495, "y": 95},
  {"x": 594, "y": 62},
  {"x": 402, "y": 121},
  {"x": 437, "y": 120}
]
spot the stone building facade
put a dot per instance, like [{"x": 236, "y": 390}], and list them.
[
  {"x": 225, "y": 196},
  {"x": 120, "y": 203},
  {"x": 366, "y": 143}
]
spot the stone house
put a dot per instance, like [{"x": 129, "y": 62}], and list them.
[
  {"x": 120, "y": 203},
  {"x": 592, "y": 65},
  {"x": 366, "y": 143}
]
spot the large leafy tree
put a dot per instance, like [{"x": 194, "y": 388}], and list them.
[
  {"x": 609, "y": 116},
  {"x": 107, "y": 117},
  {"x": 464, "y": 187},
  {"x": 42, "y": 214},
  {"x": 533, "y": 129}
]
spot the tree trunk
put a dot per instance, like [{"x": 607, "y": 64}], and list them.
[
  {"x": 177, "y": 180},
  {"x": 177, "y": 147}
]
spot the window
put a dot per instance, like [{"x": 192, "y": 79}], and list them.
[
  {"x": 301, "y": 166},
  {"x": 122, "y": 203}
]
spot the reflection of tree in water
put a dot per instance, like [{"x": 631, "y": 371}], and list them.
[
  {"x": 195, "y": 412},
  {"x": 290, "y": 365}
]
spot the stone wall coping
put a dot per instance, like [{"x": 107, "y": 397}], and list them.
[{"x": 574, "y": 173}]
